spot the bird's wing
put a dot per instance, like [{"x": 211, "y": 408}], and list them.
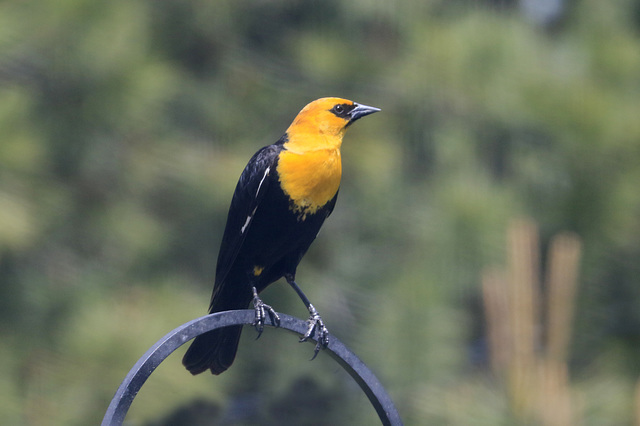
[{"x": 252, "y": 186}]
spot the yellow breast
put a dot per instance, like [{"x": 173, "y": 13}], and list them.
[{"x": 310, "y": 179}]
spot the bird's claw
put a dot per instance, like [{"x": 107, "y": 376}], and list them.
[
  {"x": 315, "y": 322},
  {"x": 261, "y": 310}
]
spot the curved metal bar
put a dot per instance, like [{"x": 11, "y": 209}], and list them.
[{"x": 141, "y": 371}]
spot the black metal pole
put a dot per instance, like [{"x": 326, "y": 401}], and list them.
[{"x": 141, "y": 371}]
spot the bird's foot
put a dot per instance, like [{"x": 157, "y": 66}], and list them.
[
  {"x": 261, "y": 310},
  {"x": 315, "y": 322}
]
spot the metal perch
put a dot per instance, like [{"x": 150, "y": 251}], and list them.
[{"x": 132, "y": 383}]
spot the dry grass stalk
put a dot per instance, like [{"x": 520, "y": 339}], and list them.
[
  {"x": 555, "y": 406},
  {"x": 523, "y": 289},
  {"x": 523, "y": 300},
  {"x": 562, "y": 278},
  {"x": 496, "y": 308},
  {"x": 536, "y": 377}
]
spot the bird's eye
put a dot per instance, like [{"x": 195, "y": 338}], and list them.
[{"x": 338, "y": 109}]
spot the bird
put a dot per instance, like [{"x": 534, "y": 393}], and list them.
[{"x": 283, "y": 196}]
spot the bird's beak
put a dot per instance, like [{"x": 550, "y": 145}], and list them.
[{"x": 360, "y": 111}]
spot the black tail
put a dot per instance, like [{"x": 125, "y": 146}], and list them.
[{"x": 216, "y": 349}]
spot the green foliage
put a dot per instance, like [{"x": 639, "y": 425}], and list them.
[{"x": 126, "y": 124}]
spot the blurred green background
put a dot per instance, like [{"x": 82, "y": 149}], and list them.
[{"x": 125, "y": 125}]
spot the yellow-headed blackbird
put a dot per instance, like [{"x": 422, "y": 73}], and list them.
[{"x": 282, "y": 198}]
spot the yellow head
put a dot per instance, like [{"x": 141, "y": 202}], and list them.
[
  {"x": 322, "y": 123},
  {"x": 310, "y": 168}
]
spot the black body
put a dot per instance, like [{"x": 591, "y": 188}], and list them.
[{"x": 262, "y": 230}]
